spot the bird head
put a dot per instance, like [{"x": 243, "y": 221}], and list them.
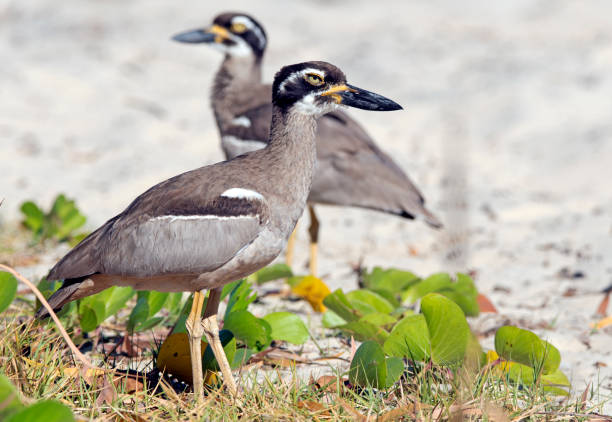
[
  {"x": 318, "y": 87},
  {"x": 235, "y": 34}
]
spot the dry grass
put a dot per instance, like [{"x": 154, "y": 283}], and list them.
[{"x": 35, "y": 358}]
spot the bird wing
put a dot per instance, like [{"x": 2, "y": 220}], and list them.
[
  {"x": 353, "y": 171},
  {"x": 181, "y": 226}
]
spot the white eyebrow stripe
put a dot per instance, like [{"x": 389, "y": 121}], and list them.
[
  {"x": 253, "y": 27},
  {"x": 201, "y": 217},
  {"x": 299, "y": 74},
  {"x": 242, "y": 194},
  {"x": 242, "y": 121}
]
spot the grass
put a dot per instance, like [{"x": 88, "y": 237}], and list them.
[{"x": 35, "y": 358}]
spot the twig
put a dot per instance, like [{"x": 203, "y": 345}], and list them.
[{"x": 60, "y": 327}]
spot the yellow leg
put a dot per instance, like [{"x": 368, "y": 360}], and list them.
[
  {"x": 314, "y": 239},
  {"x": 211, "y": 330},
  {"x": 195, "y": 332},
  {"x": 289, "y": 252}
]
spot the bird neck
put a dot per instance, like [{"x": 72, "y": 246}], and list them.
[
  {"x": 235, "y": 75},
  {"x": 291, "y": 156}
]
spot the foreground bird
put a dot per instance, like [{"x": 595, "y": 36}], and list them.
[
  {"x": 351, "y": 170},
  {"x": 208, "y": 227}
]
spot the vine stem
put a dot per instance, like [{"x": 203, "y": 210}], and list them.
[{"x": 77, "y": 353}]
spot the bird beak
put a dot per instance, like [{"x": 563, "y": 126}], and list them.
[
  {"x": 214, "y": 34},
  {"x": 352, "y": 96}
]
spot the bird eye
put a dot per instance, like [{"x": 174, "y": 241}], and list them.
[
  {"x": 238, "y": 28},
  {"x": 314, "y": 79}
]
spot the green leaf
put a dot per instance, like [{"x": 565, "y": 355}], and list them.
[
  {"x": 364, "y": 330},
  {"x": 92, "y": 312},
  {"x": 156, "y": 301},
  {"x": 523, "y": 346},
  {"x": 8, "y": 289},
  {"x": 70, "y": 224},
  {"x": 253, "y": 331},
  {"x": 139, "y": 314},
  {"x": 331, "y": 319},
  {"x": 556, "y": 378},
  {"x": 116, "y": 299},
  {"x": 148, "y": 324},
  {"x": 380, "y": 320},
  {"x": 174, "y": 303},
  {"x": 47, "y": 410},
  {"x": 431, "y": 284},
  {"x": 241, "y": 357},
  {"x": 240, "y": 298},
  {"x": 390, "y": 280},
  {"x": 463, "y": 292},
  {"x": 288, "y": 327},
  {"x": 338, "y": 302},
  {"x": 368, "y": 367},
  {"x": 368, "y": 302},
  {"x": 229, "y": 347},
  {"x": 34, "y": 217},
  {"x": 409, "y": 339},
  {"x": 9, "y": 399},
  {"x": 273, "y": 272},
  {"x": 395, "y": 368},
  {"x": 448, "y": 329}
]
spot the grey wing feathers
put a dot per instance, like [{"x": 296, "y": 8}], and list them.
[
  {"x": 353, "y": 171},
  {"x": 180, "y": 226},
  {"x": 168, "y": 245},
  {"x": 83, "y": 259}
]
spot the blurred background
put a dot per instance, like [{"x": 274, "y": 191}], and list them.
[{"x": 506, "y": 129}]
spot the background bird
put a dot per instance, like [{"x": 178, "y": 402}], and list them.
[
  {"x": 216, "y": 224},
  {"x": 351, "y": 169}
]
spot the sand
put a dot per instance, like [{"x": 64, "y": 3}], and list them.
[{"x": 506, "y": 130}]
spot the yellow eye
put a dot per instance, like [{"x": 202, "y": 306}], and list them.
[
  {"x": 238, "y": 28},
  {"x": 314, "y": 79}
]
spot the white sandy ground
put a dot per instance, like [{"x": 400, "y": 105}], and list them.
[{"x": 507, "y": 130}]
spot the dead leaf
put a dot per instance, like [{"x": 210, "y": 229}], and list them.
[
  {"x": 584, "y": 397},
  {"x": 485, "y": 304},
  {"x": 108, "y": 393},
  {"x": 602, "y": 309},
  {"x": 398, "y": 413},
  {"x": 329, "y": 384},
  {"x": 354, "y": 413},
  {"x": 353, "y": 349},
  {"x": 313, "y": 290},
  {"x": 174, "y": 356},
  {"x": 312, "y": 406}
]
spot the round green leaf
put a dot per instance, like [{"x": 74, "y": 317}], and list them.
[
  {"x": 288, "y": 327},
  {"x": 254, "y": 331},
  {"x": 369, "y": 367},
  {"x": 390, "y": 280},
  {"x": 523, "y": 346},
  {"x": 395, "y": 368},
  {"x": 409, "y": 339},
  {"x": 431, "y": 284},
  {"x": 369, "y": 302},
  {"x": 48, "y": 411},
  {"x": 331, "y": 319},
  {"x": 379, "y": 319},
  {"x": 229, "y": 347},
  {"x": 448, "y": 329},
  {"x": 8, "y": 289}
]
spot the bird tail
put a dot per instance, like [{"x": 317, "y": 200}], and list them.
[{"x": 72, "y": 289}]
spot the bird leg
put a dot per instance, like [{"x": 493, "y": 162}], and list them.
[
  {"x": 314, "y": 239},
  {"x": 290, "y": 250},
  {"x": 195, "y": 332},
  {"x": 211, "y": 330}
]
